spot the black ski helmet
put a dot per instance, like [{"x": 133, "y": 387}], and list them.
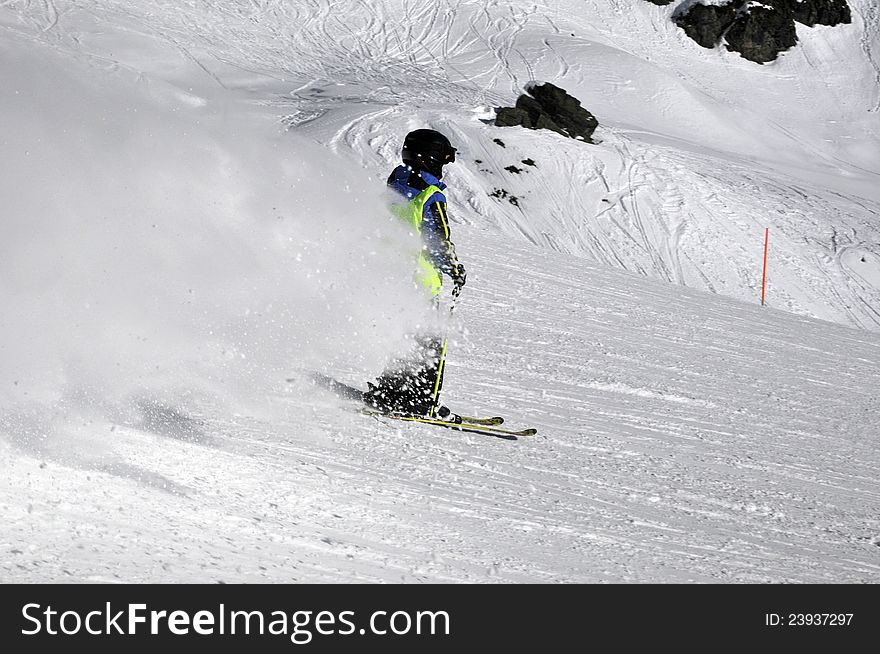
[{"x": 427, "y": 149}]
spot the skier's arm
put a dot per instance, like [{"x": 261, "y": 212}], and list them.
[{"x": 438, "y": 244}]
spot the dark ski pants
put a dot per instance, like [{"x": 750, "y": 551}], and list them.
[{"x": 412, "y": 384}]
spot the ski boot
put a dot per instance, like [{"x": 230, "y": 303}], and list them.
[{"x": 443, "y": 413}]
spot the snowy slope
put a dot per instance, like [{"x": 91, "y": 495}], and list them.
[
  {"x": 192, "y": 198},
  {"x": 683, "y": 437}
]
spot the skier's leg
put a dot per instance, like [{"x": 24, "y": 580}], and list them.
[
  {"x": 430, "y": 378},
  {"x": 410, "y": 384},
  {"x": 394, "y": 391},
  {"x": 438, "y": 361},
  {"x": 435, "y": 355}
]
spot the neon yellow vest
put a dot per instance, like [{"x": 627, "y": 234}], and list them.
[{"x": 412, "y": 212}]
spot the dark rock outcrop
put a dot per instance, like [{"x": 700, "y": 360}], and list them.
[
  {"x": 758, "y": 29},
  {"x": 761, "y": 33},
  {"x": 814, "y": 12},
  {"x": 823, "y": 12},
  {"x": 661, "y": 2},
  {"x": 549, "y": 107},
  {"x": 706, "y": 24}
]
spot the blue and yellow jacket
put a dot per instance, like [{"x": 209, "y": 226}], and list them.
[{"x": 425, "y": 211}]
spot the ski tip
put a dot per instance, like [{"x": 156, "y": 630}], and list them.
[{"x": 492, "y": 422}]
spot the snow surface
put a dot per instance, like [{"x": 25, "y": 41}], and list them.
[{"x": 193, "y": 212}]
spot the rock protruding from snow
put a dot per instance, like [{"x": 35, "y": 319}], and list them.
[
  {"x": 549, "y": 107},
  {"x": 706, "y": 24},
  {"x": 814, "y": 12},
  {"x": 759, "y": 31}
]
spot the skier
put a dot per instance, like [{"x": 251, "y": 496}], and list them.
[{"x": 412, "y": 386}]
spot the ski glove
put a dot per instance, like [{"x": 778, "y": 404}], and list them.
[{"x": 459, "y": 276}]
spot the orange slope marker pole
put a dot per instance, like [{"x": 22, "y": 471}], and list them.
[{"x": 764, "y": 278}]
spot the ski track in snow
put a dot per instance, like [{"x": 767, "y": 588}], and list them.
[{"x": 682, "y": 437}]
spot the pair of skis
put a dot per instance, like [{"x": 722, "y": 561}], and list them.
[
  {"x": 473, "y": 425},
  {"x": 485, "y": 426}
]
